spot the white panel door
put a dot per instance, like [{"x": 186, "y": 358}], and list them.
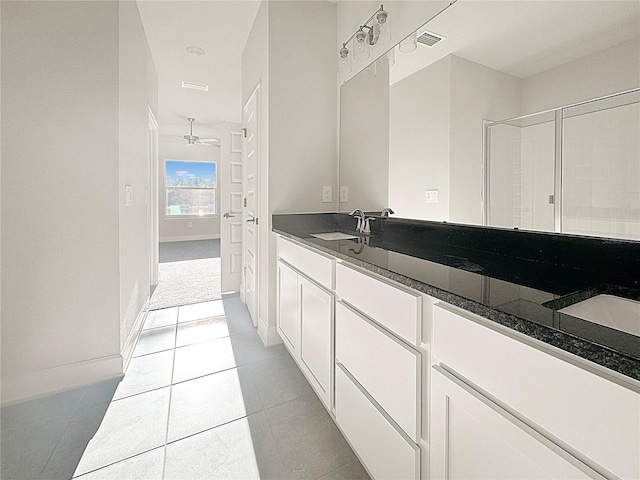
[
  {"x": 230, "y": 184},
  {"x": 472, "y": 438},
  {"x": 316, "y": 312},
  {"x": 250, "y": 210}
]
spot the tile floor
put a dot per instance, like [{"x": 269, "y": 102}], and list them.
[{"x": 202, "y": 399}]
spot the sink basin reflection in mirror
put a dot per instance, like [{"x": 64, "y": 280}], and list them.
[
  {"x": 334, "y": 236},
  {"x": 608, "y": 310}
]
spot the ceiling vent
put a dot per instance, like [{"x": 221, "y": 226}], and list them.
[
  {"x": 195, "y": 86},
  {"x": 429, "y": 38}
]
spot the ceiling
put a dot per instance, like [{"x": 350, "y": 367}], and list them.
[
  {"x": 221, "y": 29},
  {"x": 519, "y": 37},
  {"x": 522, "y": 37}
]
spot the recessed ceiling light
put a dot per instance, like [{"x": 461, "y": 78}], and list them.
[
  {"x": 193, "y": 50},
  {"x": 196, "y": 86}
]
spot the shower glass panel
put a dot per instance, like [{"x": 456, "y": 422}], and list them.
[
  {"x": 601, "y": 167},
  {"x": 519, "y": 184}
]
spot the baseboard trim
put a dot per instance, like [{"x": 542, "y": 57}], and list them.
[
  {"x": 134, "y": 334},
  {"x": 268, "y": 333},
  {"x": 27, "y": 386},
  {"x": 186, "y": 238}
]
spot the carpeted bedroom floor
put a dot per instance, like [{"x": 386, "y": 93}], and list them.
[{"x": 189, "y": 272}]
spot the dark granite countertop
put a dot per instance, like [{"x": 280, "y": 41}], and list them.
[{"x": 513, "y": 290}]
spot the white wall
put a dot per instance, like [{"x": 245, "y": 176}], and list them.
[
  {"x": 477, "y": 93},
  {"x": 436, "y": 130},
  {"x": 174, "y": 229},
  {"x": 612, "y": 70},
  {"x": 419, "y": 142},
  {"x": 138, "y": 84},
  {"x": 364, "y": 140},
  {"x": 71, "y": 292},
  {"x": 60, "y": 185},
  {"x": 302, "y": 93},
  {"x": 290, "y": 52}
]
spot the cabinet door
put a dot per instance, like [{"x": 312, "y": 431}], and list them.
[
  {"x": 287, "y": 307},
  {"x": 316, "y": 312},
  {"x": 473, "y": 438}
]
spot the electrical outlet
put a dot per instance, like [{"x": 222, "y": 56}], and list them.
[
  {"x": 327, "y": 194},
  {"x": 431, "y": 196},
  {"x": 344, "y": 194},
  {"x": 128, "y": 195}
]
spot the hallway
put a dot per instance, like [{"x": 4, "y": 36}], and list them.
[{"x": 203, "y": 399}]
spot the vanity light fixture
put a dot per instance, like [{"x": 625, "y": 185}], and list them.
[{"x": 376, "y": 30}]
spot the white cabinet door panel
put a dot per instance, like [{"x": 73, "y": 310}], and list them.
[
  {"x": 387, "y": 370},
  {"x": 316, "y": 312},
  {"x": 471, "y": 438},
  {"x": 382, "y": 449},
  {"x": 287, "y": 304},
  {"x": 573, "y": 404}
]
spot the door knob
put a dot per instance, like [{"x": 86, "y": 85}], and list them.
[
  {"x": 253, "y": 220},
  {"x": 228, "y": 215}
]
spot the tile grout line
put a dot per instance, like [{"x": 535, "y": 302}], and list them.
[{"x": 173, "y": 366}]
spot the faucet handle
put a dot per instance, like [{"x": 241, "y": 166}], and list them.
[{"x": 367, "y": 225}]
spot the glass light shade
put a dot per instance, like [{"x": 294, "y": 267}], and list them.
[
  {"x": 391, "y": 57},
  {"x": 409, "y": 44},
  {"x": 382, "y": 28},
  {"x": 345, "y": 60},
  {"x": 361, "y": 46}
]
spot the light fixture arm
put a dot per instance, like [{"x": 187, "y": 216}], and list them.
[{"x": 369, "y": 28}]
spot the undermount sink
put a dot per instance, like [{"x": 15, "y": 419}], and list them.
[
  {"x": 608, "y": 310},
  {"x": 334, "y": 236}
]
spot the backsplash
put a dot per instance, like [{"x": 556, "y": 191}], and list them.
[{"x": 588, "y": 261}]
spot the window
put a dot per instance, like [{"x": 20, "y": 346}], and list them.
[{"x": 190, "y": 187}]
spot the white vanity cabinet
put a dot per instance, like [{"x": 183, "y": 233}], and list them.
[
  {"x": 378, "y": 372},
  {"x": 436, "y": 392},
  {"x": 504, "y": 407},
  {"x": 305, "y": 313},
  {"x": 473, "y": 438}
]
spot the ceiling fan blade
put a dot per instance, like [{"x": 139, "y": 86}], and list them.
[
  {"x": 171, "y": 138},
  {"x": 210, "y": 140},
  {"x": 189, "y": 145},
  {"x": 205, "y": 144}
]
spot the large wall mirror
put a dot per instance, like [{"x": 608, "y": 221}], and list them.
[{"x": 520, "y": 114}]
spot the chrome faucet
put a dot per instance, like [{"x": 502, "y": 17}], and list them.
[
  {"x": 386, "y": 212},
  {"x": 359, "y": 214},
  {"x": 364, "y": 222}
]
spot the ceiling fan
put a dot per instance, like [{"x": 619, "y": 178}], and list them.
[{"x": 191, "y": 139}]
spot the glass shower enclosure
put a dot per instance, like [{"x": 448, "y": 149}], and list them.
[{"x": 575, "y": 169}]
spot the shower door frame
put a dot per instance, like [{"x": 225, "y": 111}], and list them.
[{"x": 558, "y": 156}]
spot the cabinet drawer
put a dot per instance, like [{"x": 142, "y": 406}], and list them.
[
  {"x": 598, "y": 419},
  {"x": 313, "y": 265},
  {"x": 394, "y": 308},
  {"x": 379, "y": 445},
  {"x": 387, "y": 370}
]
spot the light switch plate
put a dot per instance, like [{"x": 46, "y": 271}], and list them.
[
  {"x": 344, "y": 194},
  {"x": 327, "y": 194},
  {"x": 431, "y": 196},
  {"x": 128, "y": 195}
]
